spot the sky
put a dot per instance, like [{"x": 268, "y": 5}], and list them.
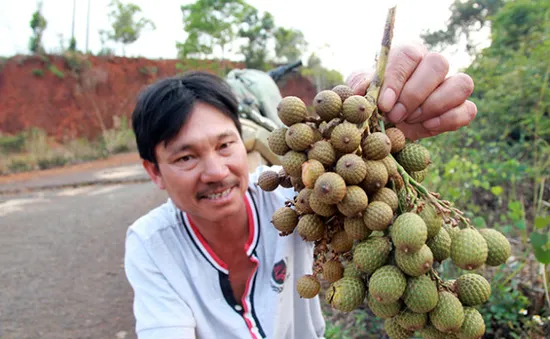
[{"x": 346, "y": 34}]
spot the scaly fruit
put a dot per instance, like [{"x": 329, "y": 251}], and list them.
[
  {"x": 322, "y": 151},
  {"x": 430, "y": 332},
  {"x": 387, "y": 284},
  {"x": 284, "y": 179},
  {"x": 397, "y": 139},
  {"x": 297, "y": 183},
  {"x": 355, "y": 228},
  {"x": 341, "y": 242},
  {"x": 311, "y": 170},
  {"x": 302, "y": 201},
  {"x": 472, "y": 289},
  {"x": 440, "y": 245},
  {"x": 421, "y": 294},
  {"x": 391, "y": 166},
  {"x": 452, "y": 230},
  {"x": 276, "y": 141},
  {"x": 299, "y": 137},
  {"x": 310, "y": 227},
  {"x": 352, "y": 271},
  {"x": 351, "y": 168},
  {"x": 473, "y": 326},
  {"x": 376, "y": 177},
  {"x": 376, "y": 146},
  {"x": 371, "y": 253},
  {"x": 346, "y": 294},
  {"x": 330, "y": 188},
  {"x": 355, "y": 201},
  {"x": 419, "y": 176},
  {"x": 413, "y": 157},
  {"x": 411, "y": 321},
  {"x": 388, "y": 196},
  {"x": 394, "y": 331},
  {"x": 285, "y": 220},
  {"x": 343, "y": 91},
  {"x": 384, "y": 311},
  {"x": 448, "y": 314},
  {"x": 357, "y": 109},
  {"x": 292, "y": 110},
  {"x": 321, "y": 208},
  {"x": 308, "y": 286},
  {"x": 327, "y": 105},
  {"x": 345, "y": 137},
  {"x": 432, "y": 218},
  {"x": 268, "y": 180},
  {"x": 415, "y": 264},
  {"x": 469, "y": 249},
  {"x": 333, "y": 270},
  {"x": 499, "y": 249},
  {"x": 377, "y": 216},
  {"x": 292, "y": 163},
  {"x": 409, "y": 232}
]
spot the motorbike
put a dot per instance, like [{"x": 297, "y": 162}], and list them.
[{"x": 258, "y": 95}]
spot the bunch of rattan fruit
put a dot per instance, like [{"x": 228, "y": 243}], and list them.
[{"x": 378, "y": 233}]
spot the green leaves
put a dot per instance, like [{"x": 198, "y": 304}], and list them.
[{"x": 541, "y": 246}]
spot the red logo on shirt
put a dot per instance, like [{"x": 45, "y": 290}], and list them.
[{"x": 279, "y": 272}]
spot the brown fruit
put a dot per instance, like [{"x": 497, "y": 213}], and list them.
[
  {"x": 333, "y": 270},
  {"x": 311, "y": 170},
  {"x": 341, "y": 242},
  {"x": 343, "y": 91},
  {"x": 357, "y": 109},
  {"x": 397, "y": 139},
  {"x": 327, "y": 105},
  {"x": 330, "y": 188},
  {"x": 376, "y": 146},
  {"x": 268, "y": 180},
  {"x": 292, "y": 110},
  {"x": 308, "y": 286}
]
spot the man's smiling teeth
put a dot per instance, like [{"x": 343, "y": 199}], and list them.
[{"x": 219, "y": 195}]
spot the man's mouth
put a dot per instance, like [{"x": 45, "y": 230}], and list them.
[{"x": 217, "y": 194}]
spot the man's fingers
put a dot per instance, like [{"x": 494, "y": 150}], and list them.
[
  {"x": 402, "y": 62},
  {"x": 453, "y": 119},
  {"x": 359, "y": 82},
  {"x": 451, "y": 93},
  {"x": 426, "y": 78}
]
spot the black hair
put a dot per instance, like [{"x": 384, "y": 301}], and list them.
[{"x": 164, "y": 107}]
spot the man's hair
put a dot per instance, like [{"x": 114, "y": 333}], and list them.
[{"x": 165, "y": 106}]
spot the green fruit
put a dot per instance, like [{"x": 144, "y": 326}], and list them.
[
  {"x": 311, "y": 170},
  {"x": 415, "y": 264},
  {"x": 419, "y": 176},
  {"x": 413, "y": 157},
  {"x": 343, "y": 91},
  {"x": 377, "y": 216},
  {"x": 352, "y": 271},
  {"x": 285, "y": 219},
  {"x": 351, "y": 168},
  {"x": 394, "y": 331},
  {"x": 376, "y": 176},
  {"x": 302, "y": 201},
  {"x": 355, "y": 228},
  {"x": 354, "y": 202},
  {"x": 473, "y": 326},
  {"x": 327, "y": 105},
  {"x": 292, "y": 162},
  {"x": 376, "y": 146},
  {"x": 276, "y": 141},
  {"x": 409, "y": 232},
  {"x": 472, "y": 289},
  {"x": 308, "y": 286},
  {"x": 388, "y": 196},
  {"x": 321, "y": 208},
  {"x": 323, "y": 152},
  {"x": 421, "y": 294},
  {"x": 345, "y": 137},
  {"x": 397, "y": 139},
  {"x": 387, "y": 284},
  {"x": 346, "y": 294},
  {"x": 440, "y": 245},
  {"x": 499, "y": 249},
  {"x": 469, "y": 249},
  {"x": 310, "y": 227},
  {"x": 430, "y": 332},
  {"x": 357, "y": 109},
  {"x": 411, "y": 321},
  {"x": 432, "y": 218},
  {"x": 299, "y": 137},
  {"x": 448, "y": 314},
  {"x": 372, "y": 253},
  {"x": 268, "y": 180},
  {"x": 292, "y": 110},
  {"x": 384, "y": 311},
  {"x": 452, "y": 230},
  {"x": 330, "y": 188}
]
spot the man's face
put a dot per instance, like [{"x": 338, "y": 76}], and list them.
[{"x": 204, "y": 168}]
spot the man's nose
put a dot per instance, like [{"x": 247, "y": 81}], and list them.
[{"x": 214, "y": 169}]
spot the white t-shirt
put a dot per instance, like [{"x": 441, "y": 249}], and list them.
[{"x": 182, "y": 290}]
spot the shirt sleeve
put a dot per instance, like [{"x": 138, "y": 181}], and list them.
[{"x": 158, "y": 310}]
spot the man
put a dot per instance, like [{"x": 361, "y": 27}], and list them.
[{"x": 208, "y": 263}]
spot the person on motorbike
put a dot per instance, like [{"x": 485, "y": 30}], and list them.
[{"x": 208, "y": 263}]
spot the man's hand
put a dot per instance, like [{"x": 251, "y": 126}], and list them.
[{"x": 417, "y": 96}]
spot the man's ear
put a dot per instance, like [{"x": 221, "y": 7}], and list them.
[{"x": 154, "y": 173}]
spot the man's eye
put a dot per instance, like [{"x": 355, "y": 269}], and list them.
[
  {"x": 225, "y": 145},
  {"x": 185, "y": 158}
]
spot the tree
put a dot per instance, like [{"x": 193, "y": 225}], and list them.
[
  {"x": 126, "y": 28},
  {"x": 322, "y": 77},
  {"x": 257, "y": 31},
  {"x": 289, "y": 44},
  {"x": 38, "y": 24},
  {"x": 210, "y": 24}
]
